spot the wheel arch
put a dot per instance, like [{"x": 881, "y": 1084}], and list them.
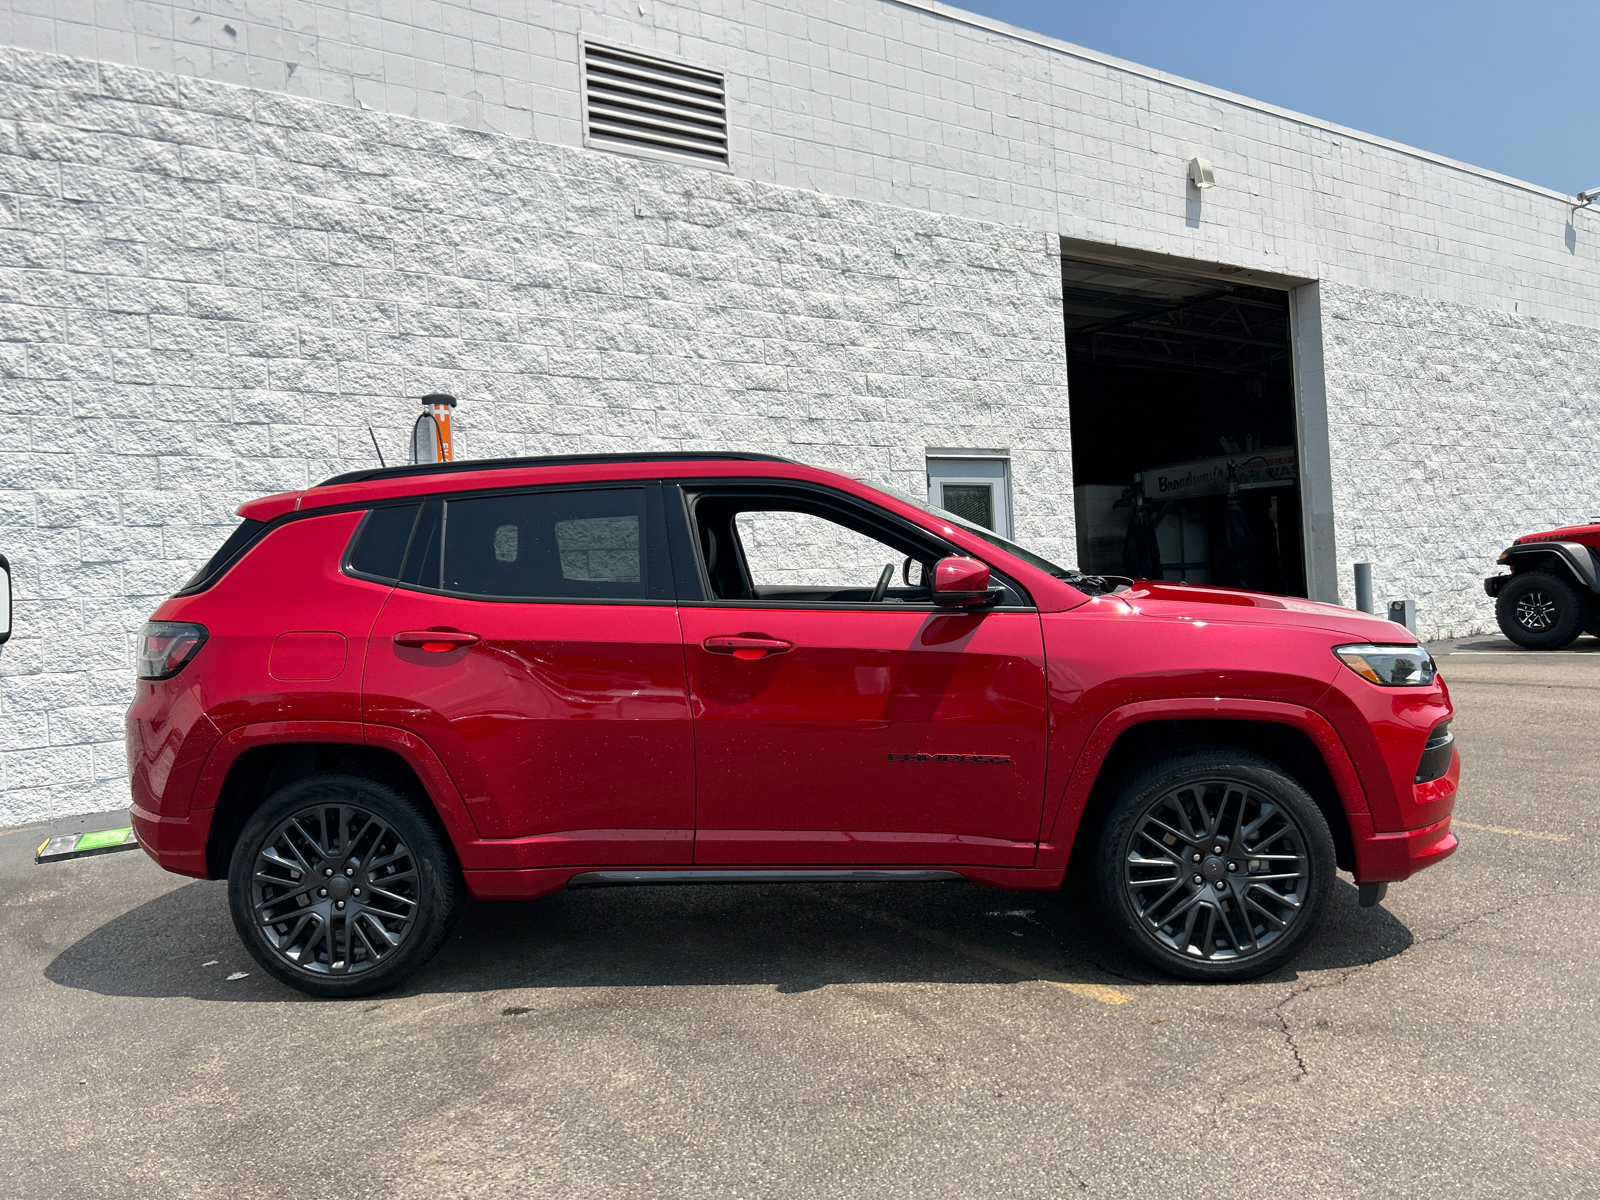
[
  {"x": 1573, "y": 560},
  {"x": 263, "y": 765},
  {"x": 1296, "y": 739}
]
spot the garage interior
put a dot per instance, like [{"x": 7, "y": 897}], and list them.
[{"x": 1183, "y": 428}]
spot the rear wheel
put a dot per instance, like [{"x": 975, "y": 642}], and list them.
[
  {"x": 339, "y": 887},
  {"x": 1214, "y": 865},
  {"x": 1540, "y": 610}
]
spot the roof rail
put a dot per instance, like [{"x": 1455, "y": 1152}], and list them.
[{"x": 546, "y": 460}]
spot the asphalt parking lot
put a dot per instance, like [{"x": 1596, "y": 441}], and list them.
[{"x": 874, "y": 1041}]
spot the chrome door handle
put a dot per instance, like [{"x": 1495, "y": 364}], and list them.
[{"x": 747, "y": 645}]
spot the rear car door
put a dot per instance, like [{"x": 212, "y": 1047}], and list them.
[
  {"x": 837, "y": 721},
  {"x": 533, "y": 643}
]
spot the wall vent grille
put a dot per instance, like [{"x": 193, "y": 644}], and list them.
[{"x": 642, "y": 104}]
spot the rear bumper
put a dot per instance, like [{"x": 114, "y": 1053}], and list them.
[{"x": 177, "y": 844}]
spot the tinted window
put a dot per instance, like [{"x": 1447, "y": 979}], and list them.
[
  {"x": 380, "y": 545},
  {"x": 422, "y": 560},
  {"x": 586, "y": 545}
]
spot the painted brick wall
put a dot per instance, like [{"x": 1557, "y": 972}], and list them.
[
  {"x": 912, "y": 103},
  {"x": 208, "y": 293},
  {"x": 1453, "y": 430}
]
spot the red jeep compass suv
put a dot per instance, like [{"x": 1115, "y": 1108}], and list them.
[{"x": 521, "y": 675}]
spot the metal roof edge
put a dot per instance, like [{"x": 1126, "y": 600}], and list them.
[
  {"x": 962, "y": 17},
  {"x": 546, "y": 460}
]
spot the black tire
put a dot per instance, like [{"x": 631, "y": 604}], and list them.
[
  {"x": 1257, "y": 842},
  {"x": 391, "y": 888},
  {"x": 1540, "y": 610}
]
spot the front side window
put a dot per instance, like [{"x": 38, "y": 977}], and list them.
[
  {"x": 793, "y": 548},
  {"x": 801, "y": 550},
  {"x": 578, "y": 545}
]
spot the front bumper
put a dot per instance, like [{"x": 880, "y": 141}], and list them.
[
  {"x": 1494, "y": 583},
  {"x": 1391, "y": 857},
  {"x": 177, "y": 844},
  {"x": 1388, "y": 856}
]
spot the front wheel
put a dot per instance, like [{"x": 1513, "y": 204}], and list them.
[
  {"x": 1214, "y": 865},
  {"x": 339, "y": 887},
  {"x": 1541, "y": 611}
]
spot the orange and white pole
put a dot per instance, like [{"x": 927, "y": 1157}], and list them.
[
  {"x": 440, "y": 404},
  {"x": 439, "y": 447}
]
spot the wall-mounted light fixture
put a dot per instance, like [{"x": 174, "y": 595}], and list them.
[{"x": 1201, "y": 175}]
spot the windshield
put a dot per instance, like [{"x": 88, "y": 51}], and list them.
[{"x": 1093, "y": 585}]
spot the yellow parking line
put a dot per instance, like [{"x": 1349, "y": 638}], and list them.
[
  {"x": 995, "y": 958},
  {"x": 1543, "y": 837}
]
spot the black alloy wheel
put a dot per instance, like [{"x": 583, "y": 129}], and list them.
[
  {"x": 339, "y": 887},
  {"x": 1214, "y": 865},
  {"x": 1540, "y": 610}
]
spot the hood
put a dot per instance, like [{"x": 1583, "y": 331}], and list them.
[
  {"x": 1189, "y": 601},
  {"x": 1585, "y": 535}
]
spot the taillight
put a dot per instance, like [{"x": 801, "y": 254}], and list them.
[{"x": 165, "y": 647}]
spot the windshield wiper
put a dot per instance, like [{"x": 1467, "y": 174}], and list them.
[{"x": 1094, "y": 585}]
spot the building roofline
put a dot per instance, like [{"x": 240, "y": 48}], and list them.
[
  {"x": 546, "y": 460},
  {"x": 1016, "y": 33}
]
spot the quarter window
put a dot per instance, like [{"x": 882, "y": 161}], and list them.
[{"x": 380, "y": 545}]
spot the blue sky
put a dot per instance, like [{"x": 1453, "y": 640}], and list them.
[{"x": 1514, "y": 87}]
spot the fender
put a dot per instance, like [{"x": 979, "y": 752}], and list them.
[
  {"x": 1056, "y": 849},
  {"x": 441, "y": 789},
  {"x": 1577, "y": 558},
  {"x": 436, "y": 781},
  {"x": 264, "y": 733}
]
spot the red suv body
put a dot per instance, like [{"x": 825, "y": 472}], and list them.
[{"x": 640, "y": 669}]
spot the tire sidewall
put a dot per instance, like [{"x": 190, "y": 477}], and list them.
[
  {"x": 438, "y": 889},
  {"x": 1572, "y": 611},
  {"x": 1144, "y": 789}
]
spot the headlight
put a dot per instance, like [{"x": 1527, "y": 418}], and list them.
[{"x": 1389, "y": 666}]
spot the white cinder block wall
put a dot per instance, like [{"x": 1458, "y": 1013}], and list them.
[{"x": 209, "y": 289}]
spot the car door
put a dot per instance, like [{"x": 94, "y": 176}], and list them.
[
  {"x": 533, "y": 643},
  {"x": 840, "y": 721}
]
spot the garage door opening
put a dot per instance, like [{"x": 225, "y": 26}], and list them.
[{"x": 1183, "y": 428}]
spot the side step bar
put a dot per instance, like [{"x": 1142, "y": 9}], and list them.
[{"x": 634, "y": 878}]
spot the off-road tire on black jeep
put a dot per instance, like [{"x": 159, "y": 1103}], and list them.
[
  {"x": 1540, "y": 610},
  {"x": 340, "y": 887},
  {"x": 1213, "y": 864}
]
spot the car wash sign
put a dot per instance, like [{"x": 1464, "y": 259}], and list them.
[{"x": 1273, "y": 467}]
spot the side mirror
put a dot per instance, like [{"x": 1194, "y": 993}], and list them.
[
  {"x": 960, "y": 582},
  {"x": 5, "y": 599}
]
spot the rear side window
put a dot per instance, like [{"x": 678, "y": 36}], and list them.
[
  {"x": 579, "y": 545},
  {"x": 244, "y": 533},
  {"x": 379, "y": 548}
]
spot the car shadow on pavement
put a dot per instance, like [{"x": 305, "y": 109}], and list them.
[{"x": 792, "y": 938}]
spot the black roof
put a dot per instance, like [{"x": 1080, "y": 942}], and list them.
[{"x": 546, "y": 460}]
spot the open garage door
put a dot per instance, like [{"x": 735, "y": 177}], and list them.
[{"x": 1183, "y": 428}]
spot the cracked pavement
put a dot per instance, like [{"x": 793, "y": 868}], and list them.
[{"x": 855, "y": 1040}]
